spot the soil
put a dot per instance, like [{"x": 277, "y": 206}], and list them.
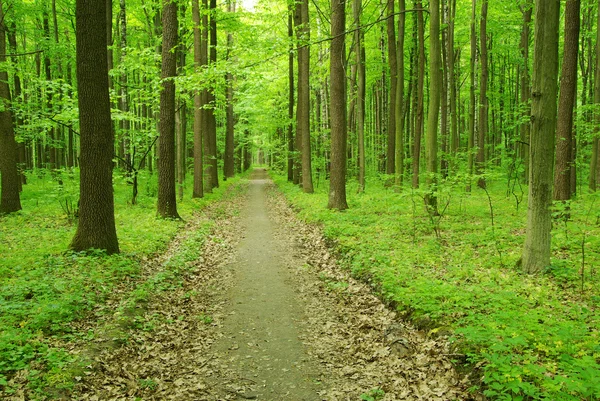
[{"x": 268, "y": 314}]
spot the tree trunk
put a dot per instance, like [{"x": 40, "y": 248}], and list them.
[
  {"x": 125, "y": 152},
  {"x": 290, "y": 127},
  {"x": 359, "y": 51},
  {"x": 198, "y": 191},
  {"x": 419, "y": 96},
  {"x": 206, "y": 136},
  {"x": 454, "y": 139},
  {"x": 471, "y": 143},
  {"x": 525, "y": 87},
  {"x": 303, "y": 109},
  {"x": 435, "y": 69},
  {"x": 444, "y": 93},
  {"x": 167, "y": 204},
  {"x": 337, "y": 180},
  {"x": 536, "y": 252},
  {"x": 228, "y": 163},
  {"x": 566, "y": 102},
  {"x": 9, "y": 192},
  {"x": 399, "y": 110},
  {"x": 594, "y": 165},
  {"x": 483, "y": 100},
  {"x": 212, "y": 121},
  {"x": 96, "y": 228},
  {"x": 393, "y": 63}
]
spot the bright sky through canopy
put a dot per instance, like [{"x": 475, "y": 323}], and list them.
[{"x": 249, "y": 5}]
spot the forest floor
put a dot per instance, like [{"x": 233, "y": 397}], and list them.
[{"x": 266, "y": 314}]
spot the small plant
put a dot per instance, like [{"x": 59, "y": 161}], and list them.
[
  {"x": 374, "y": 394},
  {"x": 205, "y": 319},
  {"x": 148, "y": 384}
]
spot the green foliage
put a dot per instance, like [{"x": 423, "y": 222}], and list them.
[
  {"x": 44, "y": 287},
  {"x": 375, "y": 394},
  {"x": 529, "y": 337}
]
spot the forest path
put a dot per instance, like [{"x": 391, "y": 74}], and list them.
[
  {"x": 267, "y": 314},
  {"x": 262, "y": 333}
]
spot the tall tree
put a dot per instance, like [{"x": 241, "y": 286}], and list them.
[
  {"x": 527, "y": 10},
  {"x": 420, "y": 104},
  {"x": 210, "y": 112},
  {"x": 205, "y": 126},
  {"x": 337, "y": 77},
  {"x": 96, "y": 228},
  {"x": 594, "y": 162},
  {"x": 399, "y": 111},
  {"x": 290, "y": 127},
  {"x": 483, "y": 99},
  {"x": 167, "y": 201},
  {"x": 303, "y": 109},
  {"x": 390, "y": 163},
  {"x": 454, "y": 139},
  {"x": 536, "y": 252},
  {"x": 566, "y": 103},
  {"x": 435, "y": 74},
  {"x": 228, "y": 162},
  {"x": 198, "y": 191},
  {"x": 472, "y": 108},
  {"x": 359, "y": 51},
  {"x": 10, "y": 200}
]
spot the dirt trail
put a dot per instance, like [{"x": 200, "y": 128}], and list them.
[
  {"x": 267, "y": 314},
  {"x": 261, "y": 330}
]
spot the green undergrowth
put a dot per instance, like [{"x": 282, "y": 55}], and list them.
[
  {"x": 523, "y": 337},
  {"x": 44, "y": 287}
]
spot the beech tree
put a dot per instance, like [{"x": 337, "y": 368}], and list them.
[
  {"x": 96, "y": 227},
  {"x": 536, "y": 252}
]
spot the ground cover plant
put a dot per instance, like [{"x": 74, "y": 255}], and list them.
[
  {"x": 523, "y": 337},
  {"x": 44, "y": 287}
]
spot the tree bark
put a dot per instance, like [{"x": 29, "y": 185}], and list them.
[
  {"x": 96, "y": 228},
  {"x": 290, "y": 127},
  {"x": 198, "y": 191},
  {"x": 167, "y": 203},
  {"x": 359, "y": 51},
  {"x": 212, "y": 121},
  {"x": 536, "y": 252},
  {"x": 454, "y": 139},
  {"x": 594, "y": 163},
  {"x": 10, "y": 200},
  {"x": 228, "y": 162},
  {"x": 337, "y": 180},
  {"x": 390, "y": 163},
  {"x": 206, "y": 137},
  {"x": 472, "y": 108},
  {"x": 419, "y": 110},
  {"x": 435, "y": 65},
  {"x": 525, "y": 87},
  {"x": 566, "y": 103},
  {"x": 303, "y": 109},
  {"x": 483, "y": 99},
  {"x": 399, "y": 110}
]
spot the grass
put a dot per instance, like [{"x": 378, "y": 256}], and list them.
[
  {"x": 43, "y": 287},
  {"x": 525, "y": 337}
]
